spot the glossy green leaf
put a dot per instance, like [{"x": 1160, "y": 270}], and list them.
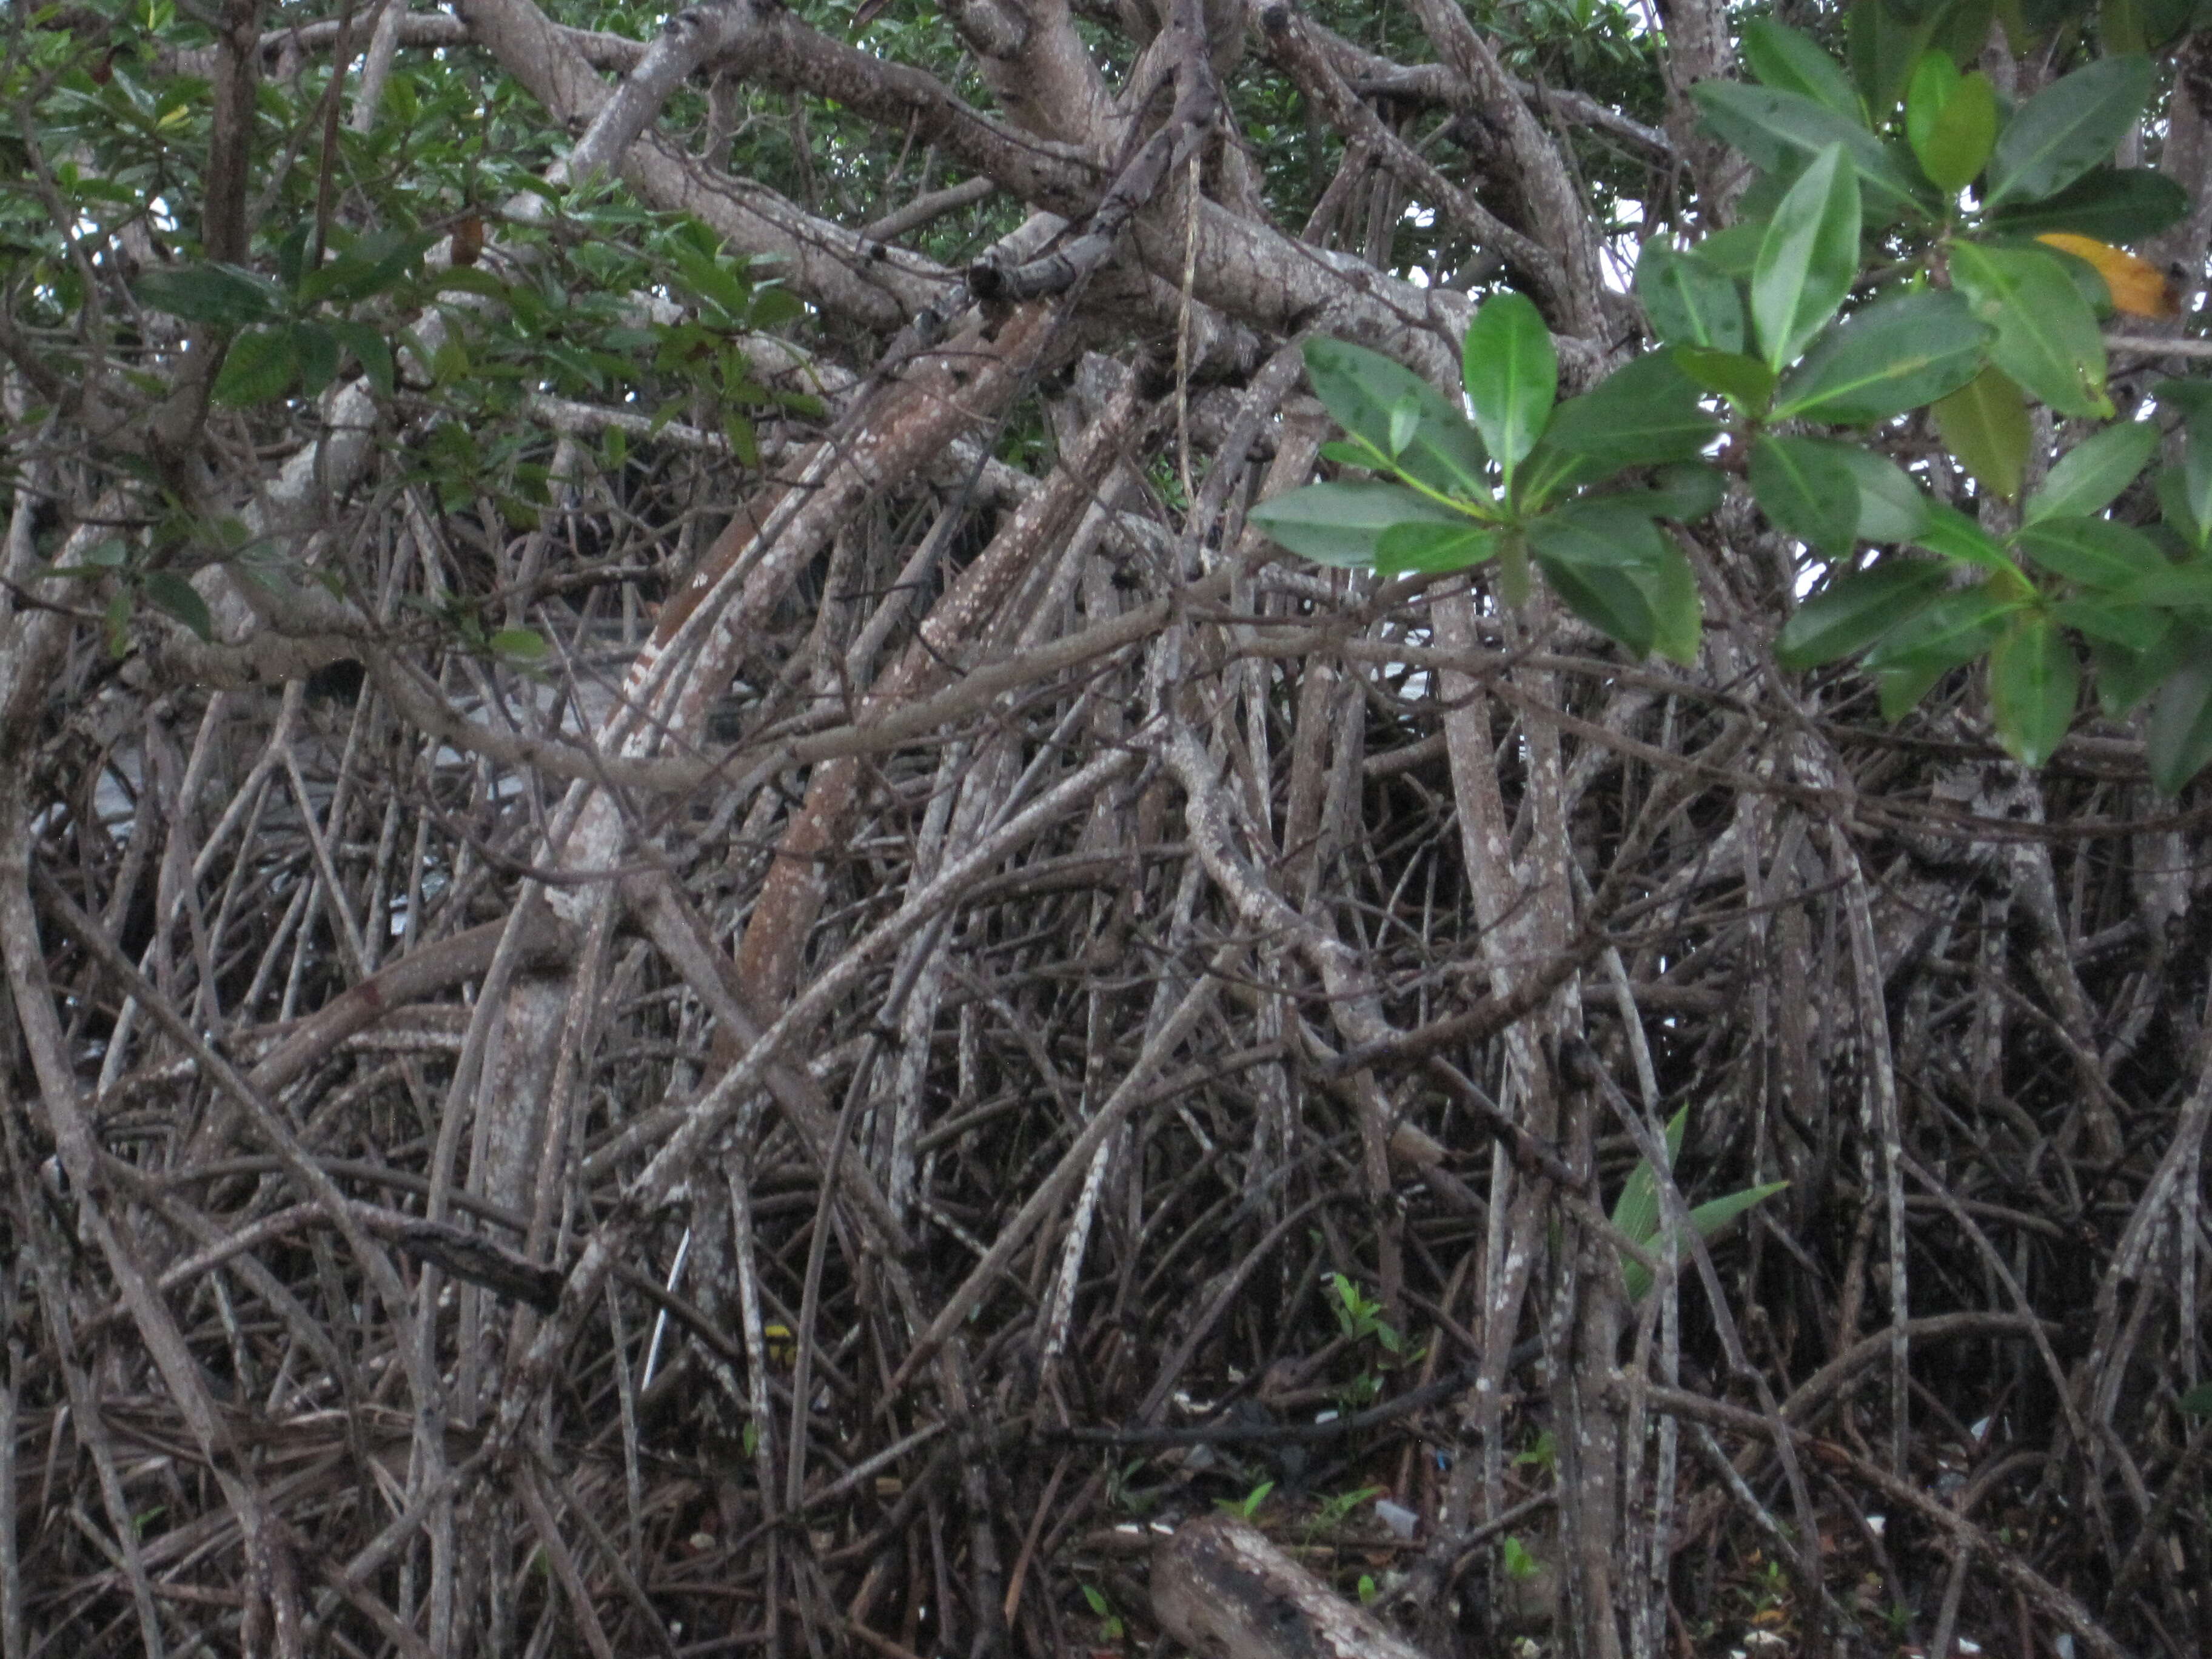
[
  {"x": 2047, "y": 338},
  {"x": 1805, "y": 490},
  {"x": 2137, "y": 626},
  {"x": 1985, "y": 424},
  {"x": 1951, "y": 121},
  {"x": 2129, "y": 671},
  {"x": 2095, "y": 552},
  {"x": 1741, "y": 378},
  {"x": 2179, "y": 741},
  {"x": 1340, "y": 524},
  {"x": 219, "y": 296},
  {"x": 1781, "y": 129},
  {"x": 2181, "y": 514},
  {"x": 1791, "y": 61},
  {"x": 1511, "y": 374},
  {"x": 1855, "y": 609},
  {"x": 1958, "y": 537},
  {"x": 1952, "y": 631},
  {"x": 1433, "y": 547},
  {"x": 168, "y": 591},
  {"x": 1360, "y": 388},
  {"x": 2117, "y": 205},
  {"x": 2187, "y": 587},
  {"x": 1595, "y": 573},
  {"x": 1643, "y": 414},
  {"x": 258, "y": 370},
  {"x": 2196, "y": 469},
  {"x": 1896, "y": 355},
  {"x": 1892, "y": 507},
  {"x": 1687, "y": 490},
  {"x": 2034, "y": 683},
  {"x": 1405, "y": 421},
  {"x": 2070, "y": 126},
  {"x": 1883, "y": 48},
  {"x": 1809, "y": 258},
  {"x": 1733, "y": 251},
  {"x": 1688, "y": 301},
  {"x": 2089, "y": 475}
]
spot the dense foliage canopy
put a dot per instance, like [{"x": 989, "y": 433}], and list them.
[{"x": 808, "y": 809}]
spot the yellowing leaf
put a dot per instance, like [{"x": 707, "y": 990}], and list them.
[{"x": 2137, "y": 286}]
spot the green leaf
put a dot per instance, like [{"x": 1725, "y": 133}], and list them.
[
  {"x": 1433, "y": 547},
  {"x": 2128, "y": 672},
  {"x": 2179, "y": 741},
  {"x": 1340, "y": 524},
  {"x": 2068, "y": 128},
  {"x": 1405, "y": 421},
  {"x": 2137, "y": 628},
  {"x": 1951, "y": 120},
  {"x": 1595, "y": 574},
  {"x": 2095, "y": 552},
  {"x": 2196, "y": 469},
  {"x": 470, "y": 279},
  {"x": 1895, "y": 355},
  {"x": 2113, "y": 204},
  {"x": 2047, "y": 338},
  {"x": 168, "y": 590},
  {"x": 257, "y": 370},
  {"x": 1891, "y": 507},
  {"x": 1884, "y": 47},
  {"x": 316, "y": 348},
  {"x": 1677, "y": 609},
  {"x": 1743, "y": 380},
  {"x": 1360, "y": 388},
  {"x": 1959, "y": 538},
  {"x": 1984, "y": 423},
  {"x": 1734, "y": 251},
  {"x": 1687, "y": 490},
  {"x": 1707, "y": 1219},
  {"x": 1644, "y": 414},
  {"x": 2198, "y": 1400},
  {"x": 1857, "y": 609},
  {"x": 1636, "y": 1212},
  {"x": 219, "y": 296},
  {"x": 708, "y": 278},
  {"x": 523, "y": 644},
  {"x": 2089, "y": 475},
  {"x": 1953, "y": 630},
  {"x": 369, "y": 347},
  {"x": 1780, "y": 130},
  {"x": 1511, "y": 375},
  {"x": 1810, "y": 255},
  {"x": 1791, "y": 61},
  {"x": 2034, "y": 683},
  {"x": 1689, "y": 302},
  {"x": 1807, "y": 491},
  {"x": 2181, "y": 512}
]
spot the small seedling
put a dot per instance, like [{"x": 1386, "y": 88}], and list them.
[
  {"x": 1636, "y": 1213},
  {"x": 1519, "y": 1563},
  {"x": 1249, "y": 1505},
  {"x": 1109, "y": 1622}
]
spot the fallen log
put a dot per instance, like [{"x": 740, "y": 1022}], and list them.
[{"x": 1222, "y": 1590}]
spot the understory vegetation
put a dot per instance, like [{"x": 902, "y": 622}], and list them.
[{"x": 806, "y": 811}]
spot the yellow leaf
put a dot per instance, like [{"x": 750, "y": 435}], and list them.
[{"x": 2137, "y": 286}]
